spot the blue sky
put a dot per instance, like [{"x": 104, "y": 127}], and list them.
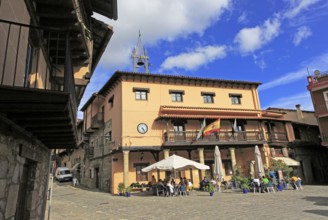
[{"x": 268, "y": 41}]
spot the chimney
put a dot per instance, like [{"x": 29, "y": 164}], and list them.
[{"x": 299, "y": 112}]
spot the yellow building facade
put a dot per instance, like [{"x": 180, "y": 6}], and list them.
[{"x": 136, "y": 119}]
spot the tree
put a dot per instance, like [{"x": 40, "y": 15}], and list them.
[{"x": 281, "y": 165}]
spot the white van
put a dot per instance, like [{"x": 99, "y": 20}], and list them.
[{"x": 63, "y": 174}]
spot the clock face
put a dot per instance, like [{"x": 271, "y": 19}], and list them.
[{"x": 142, "y": 128}]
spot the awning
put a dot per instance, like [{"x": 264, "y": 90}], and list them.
[{"x": 288, "y": 161}]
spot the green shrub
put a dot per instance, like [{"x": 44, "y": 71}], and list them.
[
  {"x": 121, "y": 187},
  {"x": 210, "y": 187}
]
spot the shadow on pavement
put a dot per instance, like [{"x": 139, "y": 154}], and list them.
[
  {"x": 318, "y": 212},
  {"x": 318, "y": 200}
]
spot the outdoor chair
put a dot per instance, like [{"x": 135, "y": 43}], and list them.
[
  {"x": 270, "y": 187},
  {"x": 169, "y": 193},
  {"x": 160, "y": 190},
  {"x": 256, "y": 187}
]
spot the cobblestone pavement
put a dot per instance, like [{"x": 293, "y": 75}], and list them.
[{"x": 77, "y": 203}]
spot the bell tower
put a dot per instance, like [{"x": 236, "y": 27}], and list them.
[{"x": 140, "y": 56}]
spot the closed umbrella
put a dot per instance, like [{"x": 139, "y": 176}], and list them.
[
  {"x": 258, "y": 162},
  {"x": 218, "y": 170}
]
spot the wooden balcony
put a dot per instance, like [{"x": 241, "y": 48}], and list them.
[
  {"x": 39, "y": 100},
  {"x": 275, "y": 137},
  {"x": 220, "y": 138}
]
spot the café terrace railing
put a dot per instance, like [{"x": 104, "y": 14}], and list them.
[
  {"x": 17, "y": 69},
  {"x": 222, "y": 136}
]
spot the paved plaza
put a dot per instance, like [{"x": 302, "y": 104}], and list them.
[{"x": 77, "y": 203}]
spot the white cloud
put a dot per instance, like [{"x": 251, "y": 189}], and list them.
[
  {"x": 298, "y": 6},
  {"x": 259, "y": 62},
  {"x": 319, "y": 63},
  {"x": 158, "y": 20},
  {"x": 243, "y": 18},
  {"x": 301, "y": 34},
  {"x": 252, "y": 39},
  {"x": 304, "y": 99},
  {"x": 194, "y": 59}
]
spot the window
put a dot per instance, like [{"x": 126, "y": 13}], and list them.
[
  {"x": 325, "y": 95},
  {"x": 176, "y": 95},
  {"x": 111, "y": 102},
  {"x": 227, "y": 167},
  {"x": 141, "y": 93},
  {"x": 208, "y": 97},
  {"x": 178, "y": 128},
  {"x": 278, "y": 151},
  {"x": 179, "y": 131},
  {"x": 235, "y": 99},
  {"x": 297, "y": 132},
  {"x": 108, "y": 137},
  {"x": 141, "y": 176}
]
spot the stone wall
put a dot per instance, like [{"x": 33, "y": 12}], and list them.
[{"x": 24, "y": 165}]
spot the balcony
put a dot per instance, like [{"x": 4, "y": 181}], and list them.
[
  {"x": 222, "y": 137},
  {"x": 321, "y": 110},
  {"x": 277, "y": 137},
  {"x": 97, "y": 121},
  {"x": 37, "y": 88}
]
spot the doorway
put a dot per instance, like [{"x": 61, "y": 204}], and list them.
[{"x": 97, "y": 177}]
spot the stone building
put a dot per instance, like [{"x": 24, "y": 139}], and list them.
[
  {"x": 49, "y": 50},
  {"x": 305, "y": 145}
]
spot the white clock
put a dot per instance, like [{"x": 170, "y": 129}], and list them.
[{"x": 142, "y": 128}]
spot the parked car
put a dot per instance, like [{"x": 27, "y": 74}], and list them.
[{"x": 63, "y": 174}]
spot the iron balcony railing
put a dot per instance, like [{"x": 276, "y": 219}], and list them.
[
  {"x": 36, "y": 58},
  {"x": 277, "y": 136},
  {"x": 222, "y": 136}
]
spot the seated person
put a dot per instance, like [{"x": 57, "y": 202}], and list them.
[
  {"x": 256, "y": 182},
  {"x": 182, "y": 188},
  {"x": 265, "y": 180},
  {"x": 153, "y": 183},
  {"x": 203, "y": 183},
  {"x": 160, "y": 187},
  {"x": 170, "y": 187},
  {"x": 189, "y": 185},
  {"x": 213, "y": 182},
  {"x": 293, "y": 181}
]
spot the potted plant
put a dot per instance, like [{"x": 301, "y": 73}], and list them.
[
  {"x": 245, "y": 185},
  {"x": 128, "y": 191},
  {"x": 121, "y": 188},
  {"x": 210, "y": 188}
]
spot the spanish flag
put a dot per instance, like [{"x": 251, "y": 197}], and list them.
[{"x": 214, "y": 127}]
